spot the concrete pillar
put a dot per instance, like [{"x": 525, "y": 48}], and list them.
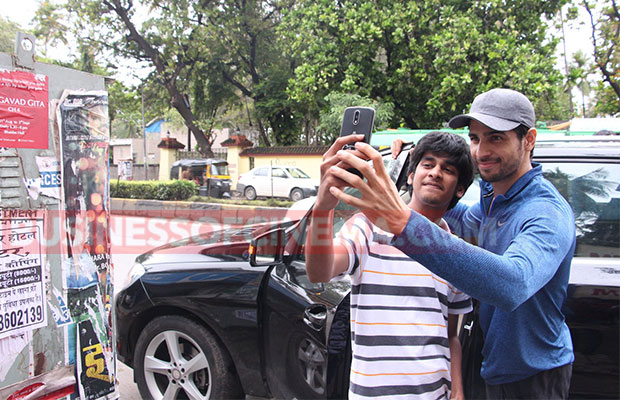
[
  {"x": 236, "y": 163},
  {"x": 167, "y": 155}
]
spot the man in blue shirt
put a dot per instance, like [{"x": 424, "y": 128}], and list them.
[{"x": 526, "y": 233}]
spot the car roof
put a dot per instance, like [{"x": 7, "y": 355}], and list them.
[
  {"x": 198, "y": 162},
  {"x": 276, "y": 166},
  {"x": 590, "y": 147}
]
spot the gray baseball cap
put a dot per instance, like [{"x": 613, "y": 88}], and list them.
[{"x": 499, "y": 109}]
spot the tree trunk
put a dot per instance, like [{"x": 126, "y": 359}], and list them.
[{"x": 167, "y": 78}]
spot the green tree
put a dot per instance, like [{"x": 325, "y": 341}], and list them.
[
  {"x": 210, "y": 52},
  {"x": 580, "y": 70},
  {"x": 553, "y": 104},
  {"x": 606, "y": 100},
  {"x": 577, "y": 76},
  {"x": 331, "y": 117},
  {"x": 429, "y": 58},
  {"x": 606, "y": 42},
  {"x": 8, "y": 30},
  {"x": 49, "y": 25},
  {"x": 125, "y": 109}
]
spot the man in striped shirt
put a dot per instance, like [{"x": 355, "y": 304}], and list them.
[{"x": 403, "y": 317}]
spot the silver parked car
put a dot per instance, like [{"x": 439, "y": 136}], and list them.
[{"x": 277, "y": 181}]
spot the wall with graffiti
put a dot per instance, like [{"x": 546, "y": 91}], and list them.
[{"x": 55, "y": 269}]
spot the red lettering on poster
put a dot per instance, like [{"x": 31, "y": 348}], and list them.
[{"x": 23, "y": 110}]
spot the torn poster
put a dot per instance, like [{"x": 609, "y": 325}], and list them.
[
  {"x": 22, "y": 276},
  {"x": 60, "y": 311},
  {"x": 55, "y": 384},
  {"x": 84, "y": 141},
  {"x": 48, "y": 183},
  {"x": 10, "y": 347},
  {"x": 23, "y": 110}
]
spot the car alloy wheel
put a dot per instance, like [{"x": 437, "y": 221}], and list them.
[
  {"x": 297, "y": 194},
  {"x": 177, "y": 358},
  {"x": 250, "y": 193},
  {"x": 312, "y": 363}
]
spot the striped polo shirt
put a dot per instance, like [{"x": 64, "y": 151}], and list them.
[{"x": 399, "y": 319}]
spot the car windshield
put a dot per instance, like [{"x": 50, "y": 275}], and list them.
[
  {"x": 219, "y": 169},
  {"x": 593, "y": 191},
  {"x": 297, "y": 173}
]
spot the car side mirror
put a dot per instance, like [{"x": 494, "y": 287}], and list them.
[{"x": 267, "y": 249}]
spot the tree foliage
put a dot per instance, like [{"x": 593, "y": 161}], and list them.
[
  {"x": 8, "y": 31},
  {"x": 429, "y": 58},
  {"x": 206, "y": 54},
  {"x": 49, "y": 25},
  {"x": 331, "y": 117},
  {"x": 606, "y": 42},
  {"x": 578, "y": 76}
]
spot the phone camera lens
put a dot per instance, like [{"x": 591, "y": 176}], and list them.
[{"x": 356, "y": 117}]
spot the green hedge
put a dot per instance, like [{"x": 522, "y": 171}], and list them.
[{"x": 153, "y": 190}]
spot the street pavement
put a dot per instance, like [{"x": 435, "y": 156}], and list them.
[
  {"x": 122, "y": 259},
  {"x": 126, "y": 386}
]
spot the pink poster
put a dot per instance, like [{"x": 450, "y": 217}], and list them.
[{"x": 23, "y": 110}]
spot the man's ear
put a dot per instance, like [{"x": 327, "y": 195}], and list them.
[
  {"x": 460, "y": 191},
  {"x": 530, "y": 139},
  {"x": 410, "y": 179}
]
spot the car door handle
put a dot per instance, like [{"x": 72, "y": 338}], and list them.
[{"x": 315, "y": 316}]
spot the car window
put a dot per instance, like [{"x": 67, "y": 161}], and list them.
[
  {"x": 593, "y": 191},
  {"x": 278, "y": 173},
  {"x": 260, "y": 171},
  {"x": 297, "y": 173}
]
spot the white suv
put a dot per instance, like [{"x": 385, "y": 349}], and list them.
[{"x": 277, "y": 181}]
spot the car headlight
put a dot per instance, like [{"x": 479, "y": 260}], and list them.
[{"x": 135, "y": 273}]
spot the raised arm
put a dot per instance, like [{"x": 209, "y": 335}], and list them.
[
  {"x": 505, "y": 280},
  {"x": 465, "y": 221},
  {"x": 326, "y": 258}
]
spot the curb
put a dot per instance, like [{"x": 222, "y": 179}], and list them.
[{"x": 194, "y": 211}]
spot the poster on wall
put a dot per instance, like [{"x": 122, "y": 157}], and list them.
[
  {"x": 23, "y": 110},
  {"x": 83, "y": 125},
  {"x": 22, "y": 276}
]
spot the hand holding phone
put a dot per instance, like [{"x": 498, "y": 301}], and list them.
[{"x": 357, "y": 121}]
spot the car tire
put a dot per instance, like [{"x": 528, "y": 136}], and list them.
[
  {"x": 250, "y": 193},
  {"x": 296, "y": 194},
  {"x": 307, "y": 367},
  {"x": 200, "y": 369}
]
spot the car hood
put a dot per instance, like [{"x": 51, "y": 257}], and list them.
[{"x": 216, "y": 246}]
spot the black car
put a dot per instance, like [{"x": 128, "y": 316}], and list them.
[{"x": 217, "y": 318}]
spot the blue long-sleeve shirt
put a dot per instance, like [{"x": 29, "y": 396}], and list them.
[{"x": 519, "y": 273}]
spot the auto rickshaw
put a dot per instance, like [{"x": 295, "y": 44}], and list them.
[{"x": 210, "y": 174}]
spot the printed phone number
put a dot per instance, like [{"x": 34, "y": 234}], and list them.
[{"x": 19, "y": 318}]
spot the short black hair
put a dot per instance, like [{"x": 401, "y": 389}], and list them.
[
  {"x": 448, "y": 145},
  {"x": 521, "y": 131}
]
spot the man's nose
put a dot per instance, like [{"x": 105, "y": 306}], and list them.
[
  {"x": 436, "y": 172},
  {"x": 483, "y": 149}
]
